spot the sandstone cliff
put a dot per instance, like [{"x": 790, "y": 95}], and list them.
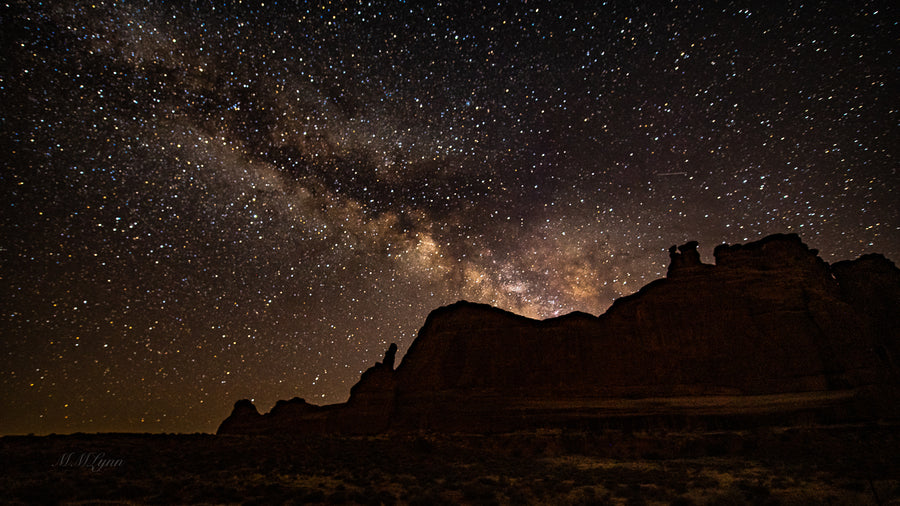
[{"x": 767, "y": 332}]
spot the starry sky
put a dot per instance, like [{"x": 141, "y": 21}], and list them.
[{"x": 207, "y": 203}]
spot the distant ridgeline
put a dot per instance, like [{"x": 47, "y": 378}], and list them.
[{"x": 770, "y": 334}]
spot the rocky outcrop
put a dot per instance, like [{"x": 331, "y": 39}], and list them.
[
  {"x": 871, "y": 285},
  {"x": 286, "y": 416},
  {"x": 295, "y": 407},
  {"x": 244, "y": 418},
  {"x": 685, "y": 259},
  {"x": 372, "y": 398},
  {"x": 769, "y": 321},
  {"x": 389, "y": 356}
]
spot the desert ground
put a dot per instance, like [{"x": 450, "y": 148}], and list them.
[{"x": 838, "y": 464}]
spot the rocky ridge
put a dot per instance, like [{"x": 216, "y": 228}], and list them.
[{"x": 768, "y": 334}]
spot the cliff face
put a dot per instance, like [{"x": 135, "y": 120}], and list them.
[{"x": 769, "y": 318}]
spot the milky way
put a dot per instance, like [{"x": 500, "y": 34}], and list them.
[{"x": 206, "y": 204}]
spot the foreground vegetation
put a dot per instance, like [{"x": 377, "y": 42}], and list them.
[{"x": 807, "y": 465}]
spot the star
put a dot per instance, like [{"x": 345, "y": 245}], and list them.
[{"x": 209, "y": 203}]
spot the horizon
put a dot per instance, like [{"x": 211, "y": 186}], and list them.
[{"x": 403, "y": 355}]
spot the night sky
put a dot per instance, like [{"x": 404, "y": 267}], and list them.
[{"x": 203, "y": 204}]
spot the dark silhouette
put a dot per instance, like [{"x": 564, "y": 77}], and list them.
[
  {"x": 684, "y": 258},
  {"x": 389, "y": 356},
  {"x": 770, "y": 334}
]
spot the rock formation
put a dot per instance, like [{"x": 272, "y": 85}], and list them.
[
  {"x": 390, "y": 355},
  {"x": 685, "y": 259},
  {"x": 768, "y": 334},
  {"x": 244, "y": 418}
]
